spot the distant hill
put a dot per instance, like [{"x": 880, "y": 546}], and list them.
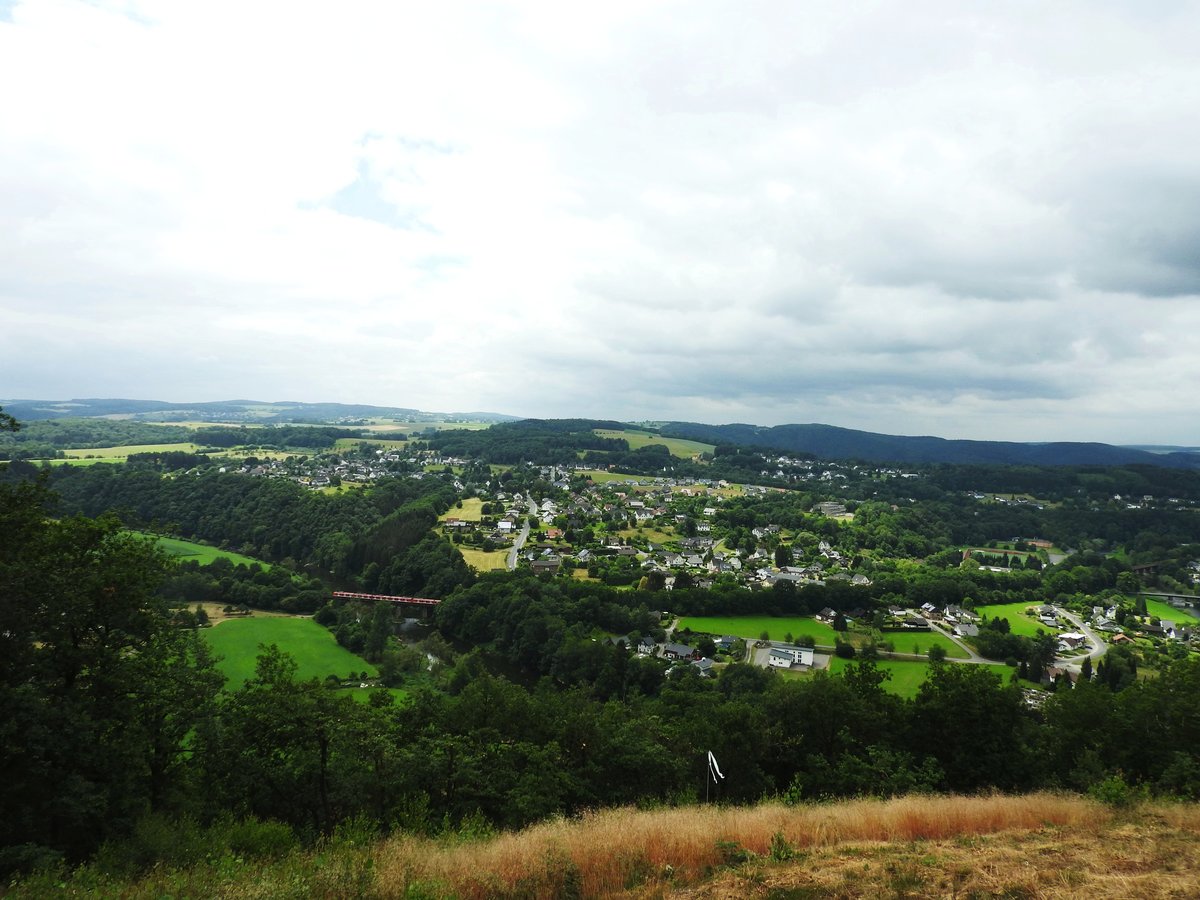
[
  {"x": 248, "y": 411},
  {"x": 831, "y": 442}
]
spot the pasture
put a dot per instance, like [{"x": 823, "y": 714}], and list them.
[
  {"x": 677, "y": 447},
  {"x": 201, "y": 553},
  {"x": 1018, "y": 621},
  {"x": 752, "y": 627},
  {"x": 316, "y": 652}
]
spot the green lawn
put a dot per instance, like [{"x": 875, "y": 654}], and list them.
[
  {"x": 201, "y": 553},
  {"x": 679, "y": 447},
  {"x": 907, "y": 677},
  {"x": 316, "y": 652},
  {"x": 919, "y": 642},
  {"x": 1168, "y": 612},
  {"x": 752, "y": 627},
  {"x": 1018, "y": 622}
]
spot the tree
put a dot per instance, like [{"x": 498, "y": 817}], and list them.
[
  {"x": 839, "y": 622},
  {"x": 98, "y": 687}
]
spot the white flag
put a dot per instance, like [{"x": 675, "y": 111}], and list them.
[{"x": 713, "y": 767}]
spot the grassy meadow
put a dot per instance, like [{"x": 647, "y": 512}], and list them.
[
  {"x": 313, "y": 647},
  {"x": 201, "y": 553}
]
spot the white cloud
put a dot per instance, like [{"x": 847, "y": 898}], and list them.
[{"x": 965, "y": 220}]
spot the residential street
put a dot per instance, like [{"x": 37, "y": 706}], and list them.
[{"x": 521, "y": 538}]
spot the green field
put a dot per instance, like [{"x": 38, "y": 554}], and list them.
[
  {"x": 383, "y": 443},
  {"x": 1018, "y": 622},
  {"x": 201, "y": 553},
  {"x": 316, "y": 652},
  {"x": 470, "y": 511},
  {"x": 752, "y": 627},
  {"x": 123, "y": 452},
  {"x": 603, "y": 477},
  {"x": 907, "y": 677},
  {"x": 919, "y": 642},
  {"x": 1169, "y": 612},
  {"x": 483, "y": 560},
  {"x": 679, "y": 447}
]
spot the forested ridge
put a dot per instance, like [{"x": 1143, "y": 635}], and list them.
[{"x": 121, "y": 738}]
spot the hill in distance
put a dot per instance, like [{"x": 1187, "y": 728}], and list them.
[
  {"x": 248, "y": 411},
  {"x": 831, "y": 442}
]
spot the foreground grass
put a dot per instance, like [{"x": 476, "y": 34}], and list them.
[
  {"x": 316, "y": 652},
  {"x": 1034, "y": 846}
]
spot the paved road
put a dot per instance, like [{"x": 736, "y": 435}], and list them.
[
  {"x": 1099, "y": 648},
  {"x": 972, "y": 656},
  {"x": 521, "y": 538}
]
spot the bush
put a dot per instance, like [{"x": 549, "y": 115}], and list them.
[
  {"x": 844, "y": 650},
  {"x": 1115, "y": 792},
  {"x": 260, "y": 840}
]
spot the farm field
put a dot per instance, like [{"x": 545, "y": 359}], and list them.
[
  {"x": 483, "y": 560},
  {"x": 907, "y": 677},
  {"x": 1169, "y": 612},
  {"x": 316, "y": 652},
  {"x": 752, "y": 627},
  {"x": 470, "y": 511},
  {"x": 201, "y": 553},
  {"x": 678, "y": 447},
  {"x": 1019, "y": 623},
  {"x": 120, "y": 453}
]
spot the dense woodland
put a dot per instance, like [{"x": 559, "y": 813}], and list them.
[{"x": 116, "y": 726}]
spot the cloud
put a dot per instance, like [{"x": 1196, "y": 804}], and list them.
[{"x": 965, "y": 220}]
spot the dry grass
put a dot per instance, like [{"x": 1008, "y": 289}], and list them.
[{"x": 611, "y": 852}]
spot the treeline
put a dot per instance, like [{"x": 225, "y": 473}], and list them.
[
  {"x": 535, "y": 441},
  {"x": 281, "y": 437},
  {"x": 1067, "y": 482},
  {"x": 378, "y": 538},
  {"x": 44, "y": 439}
]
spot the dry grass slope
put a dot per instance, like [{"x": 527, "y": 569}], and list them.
[{"x": 1049, "y": 845}]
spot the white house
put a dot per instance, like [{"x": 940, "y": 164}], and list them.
[{"x": 786, "y": 657}]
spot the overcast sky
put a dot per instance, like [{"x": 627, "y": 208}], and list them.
[{"x": 969, "y": 220}]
